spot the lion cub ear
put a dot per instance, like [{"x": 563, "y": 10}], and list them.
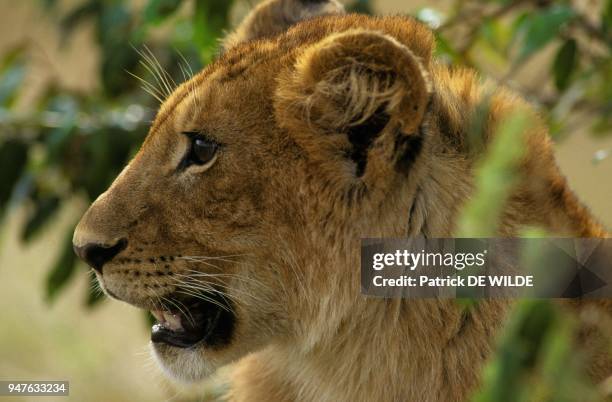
[
  {"x": 272, "y": 17},
  {"x": 353, "y": 92}
]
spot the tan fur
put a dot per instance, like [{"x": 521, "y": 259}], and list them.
[{"x": 285, "y": 197}]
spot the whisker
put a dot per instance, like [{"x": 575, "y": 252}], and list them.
[
  {"x": 192, "y": 86},
  {"x": 191, "y": 289},
  {"x": 185, "y": 61},
  {"x": 189, "y": 281},
  {"x": 165, "y": 299},
  {"x": 163, "y": 73},
  {"x": 243, "y": 278},
  {"x": 205, "y": 287},
  {"x": 197, "y": 293},
  {"x": 150, "y": 66},
  {"x": 184, "y": 72},
  {"x": 202, "y": 297},
  {"x": 220, "y": 258},
  {"x": 94, "y": 285},
  {"x": 208, "y": 259},
  {"x": 178, "y": 304},
  {"x": 162, "y": 87},
  {"x": 148, "y": 87},
  {"x": 153, "y": 62}
]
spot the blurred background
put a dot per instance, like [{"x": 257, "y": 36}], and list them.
[{"x": 73, "y": 111}]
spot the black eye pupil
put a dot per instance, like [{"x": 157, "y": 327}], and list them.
[{"x": 202, "y": 151}]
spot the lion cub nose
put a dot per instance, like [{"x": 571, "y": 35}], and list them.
[{"x": 96, "y": 255}]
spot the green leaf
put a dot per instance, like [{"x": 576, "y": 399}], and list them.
[
  {"x": 157, "y": 10},
  {"x": 445, "y": 50},
  {"x": 497, "y": 34},
  {"x": 13, "y": 160},
  {"x": 104, "y": 154},
  {"x": 62, "y": 270},
  {"x": 114, "y": 23},
  {"x": 49, "y": 3},
  {"x": 565, "y": 63},
  {"x": 118, "y": 57},
  {"x": 506, "y": 379},
  {"x": 602, "y": 127},
  {"x": 116, "y": 36},
  {"x": 360, "y": 6},
  {"x": 12, "y": 73},
  {"x": 57, "y": 140},
  {"x": 77, "y": 15},
  {"x": 606, "y": 17},
  {"x": 45, "y": 209},
  {"x": 542, "y": 27},
  {"x": 211, "y": 17},
  {"x": 496, "y": 172}
]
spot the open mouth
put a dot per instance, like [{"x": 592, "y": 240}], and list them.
[{"x": 186, "y": 322}]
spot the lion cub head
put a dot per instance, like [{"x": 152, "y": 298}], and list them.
[{"x": 257, "y": 180}]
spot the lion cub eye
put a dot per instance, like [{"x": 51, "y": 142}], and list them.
[{"x": 201, "y": 151}]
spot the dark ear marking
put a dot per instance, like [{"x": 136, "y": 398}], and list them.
[
  {"x": 363, "y": 135},
  {"x": 408, "y": 148}
]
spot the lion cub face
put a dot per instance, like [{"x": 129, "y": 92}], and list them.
[{"x": 247, "y": 171}]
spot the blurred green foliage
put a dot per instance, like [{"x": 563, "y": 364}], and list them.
[
  {"x": 501, "y": 37},
  {"x": 496, "y": 174},
  {"x": 536, "y": 359}
]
